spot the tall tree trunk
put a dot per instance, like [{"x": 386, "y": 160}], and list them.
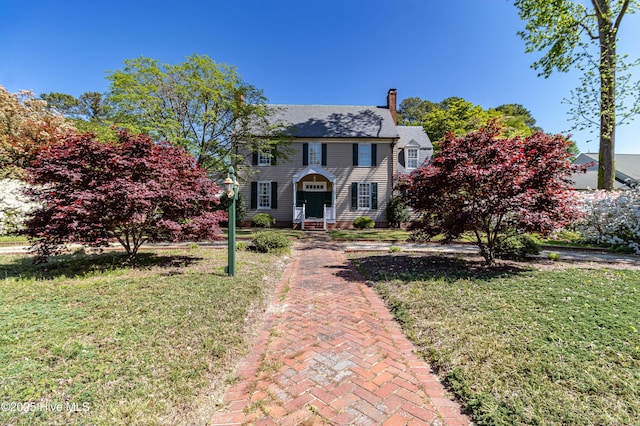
[{"x": 607, "y": 38}]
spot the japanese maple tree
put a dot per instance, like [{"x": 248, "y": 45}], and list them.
[
  {"x": 492, "y": 186},
  {"x": 131, "y": 191}
]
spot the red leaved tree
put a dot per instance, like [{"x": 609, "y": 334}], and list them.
[
  {"x": 131, "y": 191},
  {"x": 491, "y": 186}
]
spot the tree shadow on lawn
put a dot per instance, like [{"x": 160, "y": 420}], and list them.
[
  {"x": 420, "y": 267},
  {"x": 80, "y": 264}
]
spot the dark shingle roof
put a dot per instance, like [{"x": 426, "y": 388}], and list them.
[
  {"x": 627, "y": 168},
  {"x": 413, "y": 133},
  {"x": 335, "y": 121}
]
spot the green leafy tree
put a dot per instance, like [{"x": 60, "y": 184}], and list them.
[
  {"x": 459, "y": 117},
  {"x": 199, "y": 104},
  {"x": 575, "y": 34}
]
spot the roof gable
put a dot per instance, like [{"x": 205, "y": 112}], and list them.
[{"x": 413, "y": 136}]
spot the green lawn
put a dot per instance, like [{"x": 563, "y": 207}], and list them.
[
  {"x": 149, "y": 345},
  {"x": 369, "y": 234},
  {"x": 247, "y": 233},
  {"x": 521, "y": 345}
]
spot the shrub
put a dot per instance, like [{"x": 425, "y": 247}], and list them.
[
  {"x": 554, "y": 256},
  {"x": 397, "y": 212},
  {"x": 263, "y": 220},
  {"x": 269, "y": 241},
  {"x": 516, "y": 247},
  {"x": 363, "y": 222},
  {"x": 240, "y": 245},
  {"x": 395, "y": 249},
  {"x": 612, "y": 218}
]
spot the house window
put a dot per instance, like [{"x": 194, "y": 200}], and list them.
[
  {"x": 364, "y": 154},
  {"x": 364, "y": 196},
  {"x": 264, "y": 159},
  {"x": 315, "y": 154},
  {"x": 264, "y": 195},
  {"x": 412, "y": 158},
  {"x": 315, "y": 186}
]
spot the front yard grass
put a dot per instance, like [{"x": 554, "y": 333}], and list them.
[
  {"x": 381, "y": 234},
  {"x": 154, "y": 344},
  {"x": 518, "y": 344}
]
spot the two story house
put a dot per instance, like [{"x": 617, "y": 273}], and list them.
[{"x": 342, "y": 165}]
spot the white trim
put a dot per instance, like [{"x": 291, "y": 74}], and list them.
[
  {"x": 263, "y": 159},
  {"x": 262, "y": 182},
  {"x": 369, "y": 196},
  {"x": 318, "y": 147},
  {"x": 406, "y": 157},
  {"x": 311, "y": 170},
  {"x": 314, "y": 186},
  {"x": 362, "y": 163}
]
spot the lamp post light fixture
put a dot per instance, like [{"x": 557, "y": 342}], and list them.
[{"x": 231, "y": 189}]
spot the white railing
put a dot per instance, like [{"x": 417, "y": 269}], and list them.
[
  {"x": 299, "y": 214},
  {"x": 330, "y": 214},
  {"x": 324, "y": 217}
]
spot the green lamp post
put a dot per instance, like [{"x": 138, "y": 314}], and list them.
[{"x": 231, "y": 189}]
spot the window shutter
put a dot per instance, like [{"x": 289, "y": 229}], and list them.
[
  {"x": 305, "y": 154},
  {"x": 374, "y": 156},
  {"x": 374, "y": 196},
  {"x": 254, "y": 195},
  {"x": 354, "y": 195},
  {"x": 401, "y": 155},
  {"x": 324, "y": 154},
  {"x": 254, "y": 160},
  {"x": 355, "y": 155},
  {"x": 273, "y": 157},
  {"x": 274, "y": 195}
]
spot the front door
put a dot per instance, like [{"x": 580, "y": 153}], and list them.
[{"x": 315, "y": 205}]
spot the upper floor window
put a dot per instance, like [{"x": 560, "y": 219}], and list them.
[
  {"x": 412, "y": 158},
  {"x": 264, "y": 159},
  {"x": 315, "y": 154},
  {"x": 364, "y": 154}
]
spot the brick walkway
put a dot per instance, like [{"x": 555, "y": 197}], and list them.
[{"x": 330, "y": 353}]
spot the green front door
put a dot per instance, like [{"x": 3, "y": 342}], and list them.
[{"x": 315, "y": 205}]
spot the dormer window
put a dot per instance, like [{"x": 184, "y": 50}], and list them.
[{"x": 412, "y": 158}]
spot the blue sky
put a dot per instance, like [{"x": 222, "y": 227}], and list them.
[{"x": 302, "y": 51}]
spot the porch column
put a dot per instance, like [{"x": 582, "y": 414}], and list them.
[
  {"x": 333, "y": 201},
  {"x": 295, "y": 203}
]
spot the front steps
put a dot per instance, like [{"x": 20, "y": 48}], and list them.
[{"x": 313, "y": 225}]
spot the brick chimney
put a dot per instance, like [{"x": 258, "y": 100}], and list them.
[{"x": 391, "y": 104}]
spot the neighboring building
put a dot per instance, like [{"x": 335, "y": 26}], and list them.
[
  {"x": 627, "y": 171},
  {"x": 341, "y": 166}
]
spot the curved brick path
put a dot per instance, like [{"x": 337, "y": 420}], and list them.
[{"x": 330, "y": 353}]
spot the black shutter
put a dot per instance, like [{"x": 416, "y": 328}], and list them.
[
  {"x": 254, "y": 160},
  {"x": 274, "y": 195},
  {"x": 273, "y": 157},
  {"x": 374, "y": 155},
  {"x": 354, "y": 196},
  {"x": 355, "y": 155},
  {"x": 324, "y": 154},
  {"x": 401, "y": 155},
  {"x": 254, "y": 195},
  {"x": 374, "y": 196},
  {"x": 305, "y": 154}
]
